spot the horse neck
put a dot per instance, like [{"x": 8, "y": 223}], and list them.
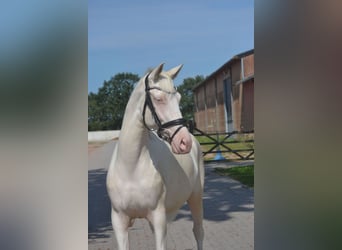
[{"x": 133, "y": 134}]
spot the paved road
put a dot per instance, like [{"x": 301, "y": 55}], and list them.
[{"x": 228, "y": 213}]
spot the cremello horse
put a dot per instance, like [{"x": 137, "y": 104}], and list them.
[{"x": 152, "y": 174}]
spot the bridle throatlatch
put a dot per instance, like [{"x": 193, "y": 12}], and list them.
[{"x": 161, "y": 127}]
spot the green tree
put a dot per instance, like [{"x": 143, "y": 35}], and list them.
[
  {"x": 187, "y": 101},
  {"x": 94, "y": 113},
  {"x": 106, "y": 108}
]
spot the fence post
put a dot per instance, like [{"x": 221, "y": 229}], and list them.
[
  {"x": 218, "y": 156},
  {"x": 191, "y": 126}
]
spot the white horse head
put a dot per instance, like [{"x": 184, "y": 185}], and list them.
[{"x": 161, "y": 109}]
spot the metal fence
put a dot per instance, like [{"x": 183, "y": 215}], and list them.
[{"x": 225, "y": 146}]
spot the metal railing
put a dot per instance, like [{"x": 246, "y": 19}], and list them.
[{"x": 225, "y": 146}]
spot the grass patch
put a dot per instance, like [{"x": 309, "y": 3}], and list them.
[{"x": 244, "y": 174}]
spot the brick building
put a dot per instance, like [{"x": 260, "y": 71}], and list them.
[{"x": 224, "y": 101}]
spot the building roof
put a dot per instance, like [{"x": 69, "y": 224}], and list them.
[{"x": 228, "y": 63}]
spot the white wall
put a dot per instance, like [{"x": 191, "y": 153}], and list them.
[{"x": 103, "y": 135}]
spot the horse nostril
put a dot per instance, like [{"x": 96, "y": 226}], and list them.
[{"x": 183, "y": 144}]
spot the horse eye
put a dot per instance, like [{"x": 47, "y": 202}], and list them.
[{"x": 158, "y": 99}]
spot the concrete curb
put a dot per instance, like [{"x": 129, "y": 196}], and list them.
[{"x": 94, "y": 136}]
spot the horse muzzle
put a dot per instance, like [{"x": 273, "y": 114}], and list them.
[{"x": 181, "y": 142}]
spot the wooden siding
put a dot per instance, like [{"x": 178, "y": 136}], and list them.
[
  {"x": 221, "y": 118},
  {"x": 248, "y": 65},
  {"x": 210, "y": 104},
  {"x": 210, "y": 111},
  {"x": 247, "y": 116},
  {"x": 236, "y": 71},
  {"x": 236, "y": 106},
  {"x": 220, "y": 92},
  {"x": 210, "y": 94},
  {"x": 200, "y": 118},
  {"x": 200, "y": 99}
]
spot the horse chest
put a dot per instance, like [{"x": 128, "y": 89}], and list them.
[{"x": 137, "y": 195}]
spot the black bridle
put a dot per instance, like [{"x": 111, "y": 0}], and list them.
[{"x": 161, "y": 127}]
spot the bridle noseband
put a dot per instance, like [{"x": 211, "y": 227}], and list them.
[{"x": 161, "y": 127}]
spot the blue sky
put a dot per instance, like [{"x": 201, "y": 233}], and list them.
[{"x": 131, "y": 36}]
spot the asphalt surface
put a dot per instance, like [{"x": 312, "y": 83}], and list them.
[{"x": 228, "y": 213}]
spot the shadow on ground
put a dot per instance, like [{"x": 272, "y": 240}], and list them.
[
  {"x": 222, "y": 196},
  {"x": 99, "y": 222}
]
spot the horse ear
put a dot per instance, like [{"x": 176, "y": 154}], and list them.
[
  {"x": 174, "y": 71},
  {"x": 154, "y": 75}
]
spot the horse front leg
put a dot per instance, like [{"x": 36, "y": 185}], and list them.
[
  {"x": 196, "y": 207},
  {"x": 120, "y": 224},
  {"x": 158, "y": 219}
]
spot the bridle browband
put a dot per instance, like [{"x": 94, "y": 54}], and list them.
[{"x": 161, "y": 127}]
